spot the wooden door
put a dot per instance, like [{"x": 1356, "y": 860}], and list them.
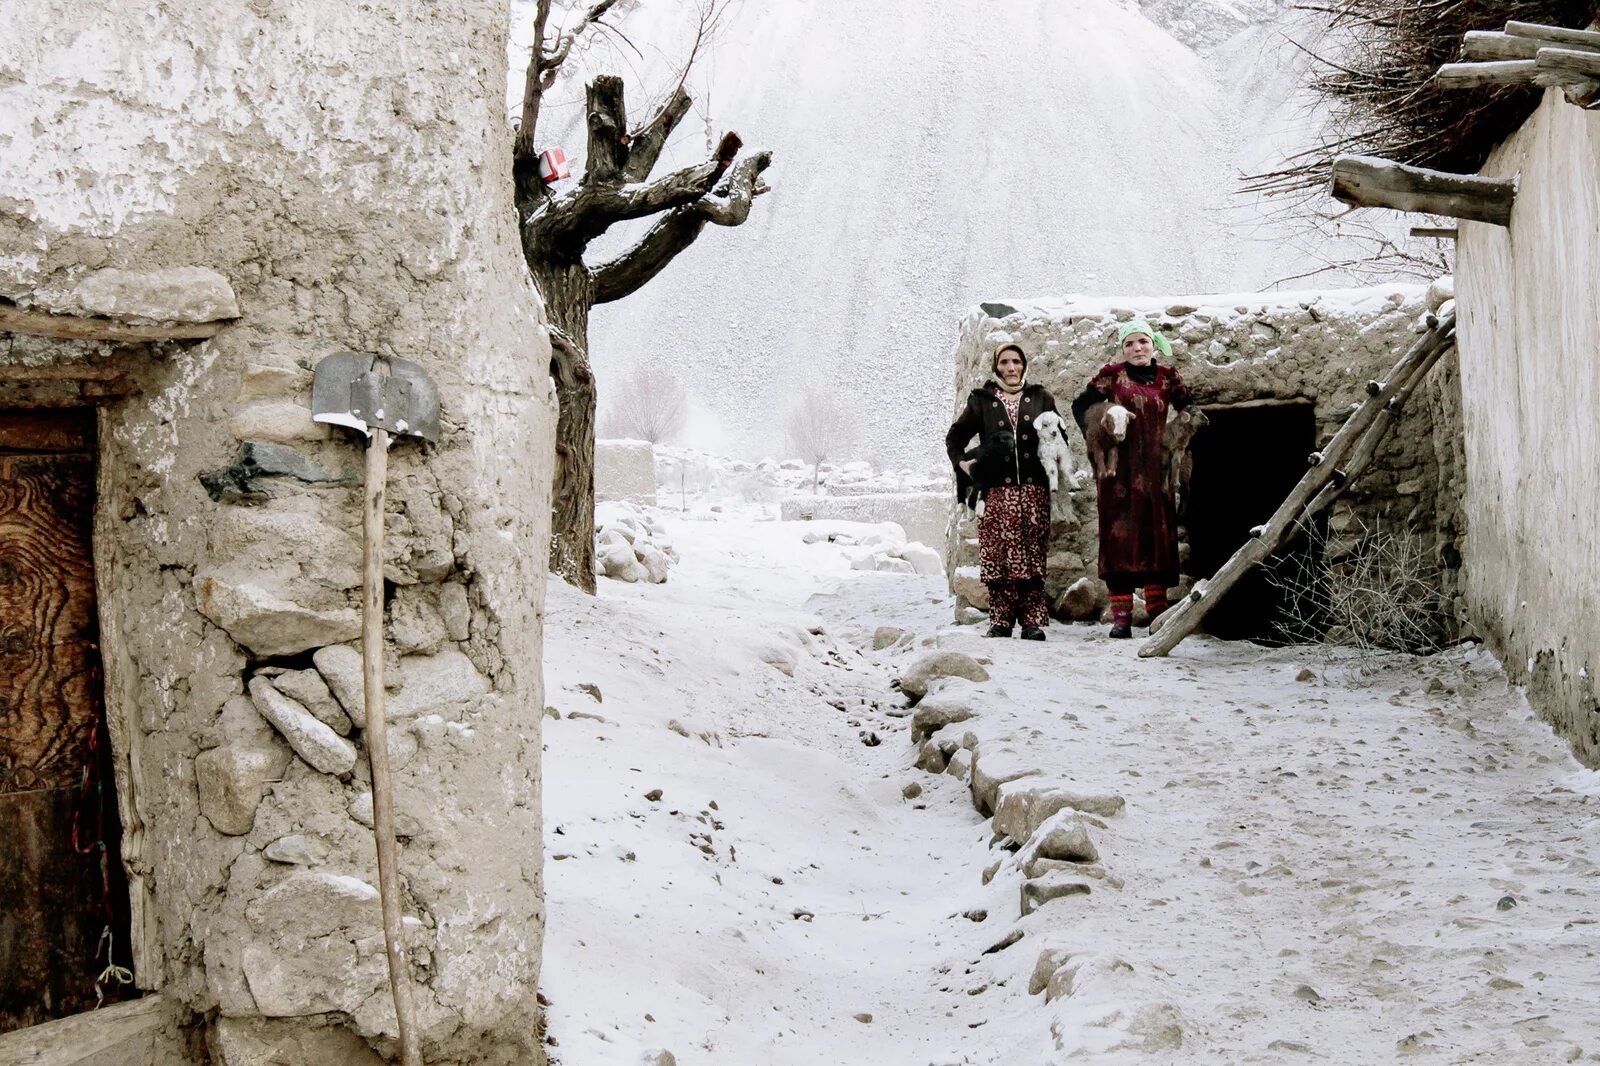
[{"x": 59, "y": 863}]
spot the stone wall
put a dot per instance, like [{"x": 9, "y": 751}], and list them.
[
  {"x": 1321, "y": 347},
  {"x": 1530, "y": 387},
  {"x": 344, "y": 171},
  {"x": 625, "y": 471},
  {"x": 923, "y": 515}
]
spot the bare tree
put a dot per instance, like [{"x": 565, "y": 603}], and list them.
[
  {"x": 818, "y": 430},
  {"x": 559, "y": 225},
  {"x": 649, "y": 404}
]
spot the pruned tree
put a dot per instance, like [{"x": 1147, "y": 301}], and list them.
[
  {"x": 649, "y": 404},
  {"x": 558, "y": 225},
  {"x": 818, "y": 431}
]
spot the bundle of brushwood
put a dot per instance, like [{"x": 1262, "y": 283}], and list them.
[{"x": 1335, "y": 467}]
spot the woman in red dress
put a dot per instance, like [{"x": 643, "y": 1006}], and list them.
[{"x": 1138, "y": 516}]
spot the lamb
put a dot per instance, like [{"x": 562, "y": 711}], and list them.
[
  {"x": 1053, "y": 451},
  {"x": 1177, "y": 465},
  {"x": 1105, "y": 427}
]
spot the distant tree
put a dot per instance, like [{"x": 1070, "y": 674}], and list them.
[
  {"x": 818, "y": 430},
  {"x": 649, "y": 404},
  {"x": 560, "y": 222}
]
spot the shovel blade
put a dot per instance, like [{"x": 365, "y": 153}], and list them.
[{"x": 368, "y": 392}]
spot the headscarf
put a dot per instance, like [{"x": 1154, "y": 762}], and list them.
[
  {"x": 994, "y": 367},
  {"x": 1137, "y": 326}
]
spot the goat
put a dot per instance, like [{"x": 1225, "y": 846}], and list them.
[
  {"x": 1177, "y": 464},
  {"x": 1053, "y": 452},
  {"x": 1105, "y": 427}
]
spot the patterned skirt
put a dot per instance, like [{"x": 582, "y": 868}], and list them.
[{"x": 1014, "y": 533}]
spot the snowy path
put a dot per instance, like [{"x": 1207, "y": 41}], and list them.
[{"x": 1311, "y": 871}]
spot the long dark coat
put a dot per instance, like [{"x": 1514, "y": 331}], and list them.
[
  {"x": 985, "y": 417},
  {"x": 1138, "y": 517}
]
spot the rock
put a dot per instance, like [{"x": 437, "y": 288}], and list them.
[
  {"x": 455, "y": 611},
  {"x": 959, "y": 765},
  {"x": 931, "y": 758},
  {"x": 655, "y": 562},
  {"x": 1065, "y": 840},
  {"x": 886, "y": 636},
  {"x": 780, "y": 657},
  {"x": 970, "y": 616},
  {"x": 255, "y": 1041},
  {"x": 658, "y": 1056},
  {"x": 277, "y": 421},
  {"x": 992, "y": 869},
  {"x": 911, "y": 791},
  {"x": 923, "y": 559},
  {"x": 1289, "y": 1045},
  {"x": 939, "y": 710},
  {"x": 864, "y": 1018},
  {"x": 1305, "y": 674},
  {"x": 340, "y": 667},
  {"x": 431, "y": 683},
  {"x": 297, "y": 849},
  {"x": 1084, "y": 601},
  {"x": 1019, "y": 810},
  {"x": 1036, "y": 893},
  {"x": 976, "y": 914},
  {"x": 1506, "y": 903},
  {"x": 1308, "y": 994},
  {"x": 313, "y": 948},
  {"x": 969, "y": 589},
  {"x": 318, "y": 745},
  {"x": 260, "y": 471},
  {"x": 1050, "y": 960},
  {"x": 1441, "y": 292},
  {"x": 1004, "y": 942},
  {"x": 307, "y": 688},
  {"x": 266, "y": 624},
  {"x": 415, "y": 624},
  {"x": 232, "y": 779},
  {"x": 994, "y": 768},
  {"x": 926, "y": 669},
  {"x": 176, "y": 294}
]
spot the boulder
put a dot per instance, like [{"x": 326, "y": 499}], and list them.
[
  {"x": 968, "y": 588},
  {"x": 923, "y": 559},
  {"x": 780, "y": 657},
  {"x": 996, "y": 767},
  {"x": 1050, "y": 960},
  {"x": 1083, "y": 601},
  {"x": 960, "y": 765},
  {"x": 429, "y": 683},
  {"x": 264, "y": 622},
  {"x": 318, "y": 745},
  {"x": 886, "y": 636},
  {"x": 176, "y": 294},
  {"x": 232, "y": 779},
  {"x": 939, "y": 710},
  {"x": 1065, "y": 837},
  {"x": 1039, "y": 891},
  {"x": 316, "y": 945},
  {"x": 307, "y": 688},
  {"x": 1021, "y": 808},
  {"x": 926, "y": 669}
]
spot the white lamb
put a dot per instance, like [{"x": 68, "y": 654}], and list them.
[{"x": 1053, "y": 451}]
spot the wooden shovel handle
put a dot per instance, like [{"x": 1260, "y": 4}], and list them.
[{"x": 377, "y": 743}]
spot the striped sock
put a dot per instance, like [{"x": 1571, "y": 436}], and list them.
[
  {"x": 1122, "y": 609},
  {"x": 1155, "y": 599}
]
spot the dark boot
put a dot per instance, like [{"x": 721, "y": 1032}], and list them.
[
  {"x": 998, "y": 631},
  {"x": 1121, "y": 631},
  {"x": 1032, "y": 633}
]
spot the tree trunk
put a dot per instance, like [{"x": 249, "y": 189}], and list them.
[{"x": 569, "y": 294}]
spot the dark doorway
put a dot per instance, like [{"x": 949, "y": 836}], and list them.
[
  {"x": 64, "y": 915},
  {"x": 1246, "y": 460}
]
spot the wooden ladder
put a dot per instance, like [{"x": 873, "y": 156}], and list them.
[{"x": 1333, "y": 468}]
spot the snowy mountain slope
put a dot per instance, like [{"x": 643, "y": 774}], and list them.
[{"x": 928, "y": 156}]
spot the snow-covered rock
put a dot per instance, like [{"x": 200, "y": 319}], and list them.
[
  {"x": 631, "y": 544},
  {"x": 917, "y": 677}
]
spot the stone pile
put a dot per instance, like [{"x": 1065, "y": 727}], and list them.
[
  {"x": 882, "y": 546},
  {"x": 631, "y": 544}
]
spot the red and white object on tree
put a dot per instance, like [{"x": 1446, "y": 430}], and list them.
[{"x": 553, "y": 165}]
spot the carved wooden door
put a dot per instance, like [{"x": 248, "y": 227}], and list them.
[{"x": 57, "y": 804}]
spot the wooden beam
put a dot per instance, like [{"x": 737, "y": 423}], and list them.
[
  {"x": 14, "y": 319},
  {"x": 63, "y": 372},
  {"x": 1438, "y": 233},
  {"x": 1589, "y": 39},
  {"x": 127, "y": 1029},
  {"x": 1478, "y": 75},
  {"x": 1578, "y": 62},
  {"x": 1492, "y": 44},
  {"x": 1366, "y": 181}
]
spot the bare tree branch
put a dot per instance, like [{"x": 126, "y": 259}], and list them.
[
  {"x": 646, "y": 142},
  {"x": 727, "y": 205}
]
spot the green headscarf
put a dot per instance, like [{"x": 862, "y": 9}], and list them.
[{"x": 1139, "y": 325}]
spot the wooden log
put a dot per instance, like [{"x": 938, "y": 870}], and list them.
[
  {"x": 14, "y": 319},
  {"x": 1366, "y": 181},
  {"x": 1438, "y": 233},
  {"x": 1478, "y": 75},
  {"x": 1566, "y": 38},
  {"x": 1574, "y": 61},
  {"x": 1183, "y": 618},
  {"x": 128, "y": 1029},
  {"x": 1492, "y": 44}
]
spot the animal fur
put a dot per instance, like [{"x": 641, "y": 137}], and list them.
[
  {"x": 1053, "y": 451},
  {"x": 973, "y": 488},
  {"x": 1177, "y": 464},
  {"x": 1106, "y": 427}
]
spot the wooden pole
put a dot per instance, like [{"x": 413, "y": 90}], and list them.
[
  {"x": 1477, "y": 75},
  {"x": 1589, "y": 39},
  {"x": 1185, "y": 617},
  {"x": 14, "y": 319},
  {"x": 1366, "y": 181},
  {"x": 1491, "y": 44},
  {"x": 1581, "y": 64},
  {"x": 377, "y": 744},
  {"x": 1438, "y": 233}
]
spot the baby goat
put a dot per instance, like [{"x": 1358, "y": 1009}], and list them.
[{"x": 1105, "y": 427}]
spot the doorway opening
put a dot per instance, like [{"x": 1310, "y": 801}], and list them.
[
  {"x": 1247, "y": 459},
  {"x": 64, "y": 927}
]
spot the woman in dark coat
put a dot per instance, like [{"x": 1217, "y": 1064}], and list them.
[
  {"x": 1138, "y": 517},
  {"x": 1014, "y": 532}
]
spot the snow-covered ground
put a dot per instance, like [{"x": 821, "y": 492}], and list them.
[{"x": 1351, "y": 868}]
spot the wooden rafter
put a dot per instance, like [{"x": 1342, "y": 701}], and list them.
[{"x": 14, "y": 319}]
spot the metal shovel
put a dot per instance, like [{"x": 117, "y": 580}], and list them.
[{"x": 380, "y": 395}]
